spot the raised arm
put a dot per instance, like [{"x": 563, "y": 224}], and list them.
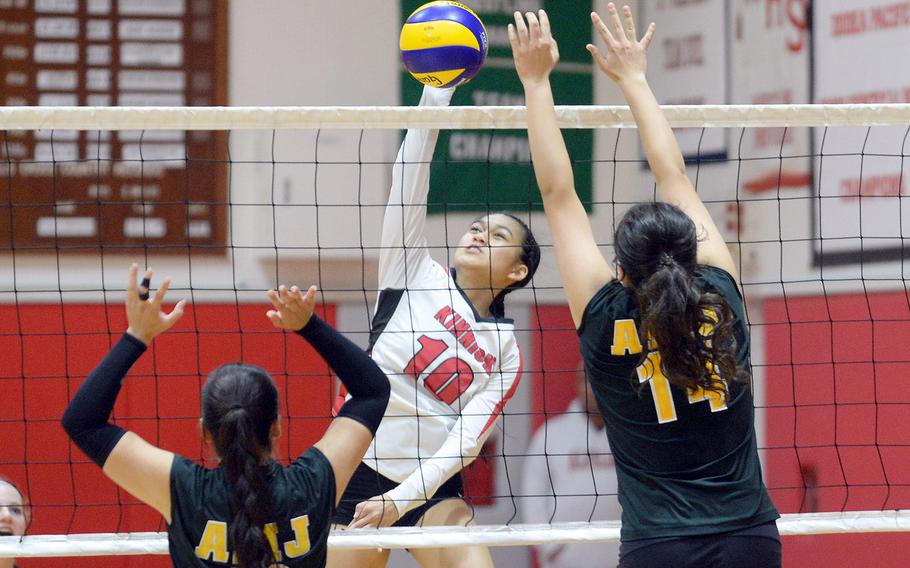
[
  {"x": 403, "y": 250},
  {"x": 625, "y": 61},
  {"x": 132, "y": 463},
  {"x": 582, "y": 266},
  {"x": 350, "y": 433}
]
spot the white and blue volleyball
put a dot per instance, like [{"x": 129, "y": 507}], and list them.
[{"x": 443, "y": 44}]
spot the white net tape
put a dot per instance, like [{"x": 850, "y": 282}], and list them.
[
  {"x": 246, "y": 118},
  {"x": 434, "y": 537},
  {"x": 289, "y": 118}
]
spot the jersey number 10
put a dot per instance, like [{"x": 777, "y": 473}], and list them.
[{"x": 449, "y": 379}]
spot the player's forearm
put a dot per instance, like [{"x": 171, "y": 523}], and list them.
[
  {"x": 411, "y": 171},
  {"x": 86, "y": 416},
  {"x": 552, "y": 166},
  {"x": 461, "y": 447},
  {"x": 426, "y": 480},
  {"x": 364, "y": 380},
  {"x": 657, "y": 138},
  {"x": 405, "y": 215}
]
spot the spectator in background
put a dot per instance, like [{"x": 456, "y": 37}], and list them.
[
  {"x": 14, "y": 515},
  {"x": 568, "y": 475}
]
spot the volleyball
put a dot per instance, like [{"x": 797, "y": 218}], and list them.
[{"x": 443, "y": 44}]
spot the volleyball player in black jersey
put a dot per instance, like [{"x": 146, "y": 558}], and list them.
[
  {"x": 665, "y": 344},
  {"x": 249, "y": 511}
]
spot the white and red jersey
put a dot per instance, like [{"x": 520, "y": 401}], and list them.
[{"x": 451, "y": 370}]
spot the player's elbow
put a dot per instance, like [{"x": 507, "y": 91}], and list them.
[
  {"x": 70, "y": 424},
  {"x": 556, "y": 188},
  {"x": 672, "y": 175}
]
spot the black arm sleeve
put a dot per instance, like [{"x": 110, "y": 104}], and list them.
[
  {"x": 86, "y": 417},
  {"x": 364, "y": 380}
]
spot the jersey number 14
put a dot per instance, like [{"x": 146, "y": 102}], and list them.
[{"x": 626, "y": 342}]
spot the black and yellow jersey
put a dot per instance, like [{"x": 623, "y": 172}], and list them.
[
  {"x": 303, "y": 502},
  {"x": 687, "y": 462}
]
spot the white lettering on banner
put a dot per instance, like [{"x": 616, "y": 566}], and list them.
[
  {"x": 143, "y": 227},
  {"x": 470, "y": 146},
  {"x": 56, "y": 53},
  {"x": 16, "y": 79},
  {"x": 58, "y": 6},
  {"x": 152, "y": 7},
  {"x": 59, "y": 28},
  {"x": 12, "y": 28},
  {"x": 157, "y": 54},
  {"x": 57, "y": 80},
  {"x": 150, "y": 30},
  {"x": 58, "y": 227},
  {"x": 98, "y": 30},
  {"x": 15, "y": 52},
  {"x": 57, "y": 99}
]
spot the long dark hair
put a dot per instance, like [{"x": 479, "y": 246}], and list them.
[
  {"x": 239, "y": 406},
  {"x": 530, "y": 257},
  {"x": 656, "y": 245}
]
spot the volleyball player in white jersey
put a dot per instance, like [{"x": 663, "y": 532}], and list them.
[{"x": 451, "y": 357}]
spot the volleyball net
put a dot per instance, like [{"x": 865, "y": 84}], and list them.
[{"x": 231, "y": 202}]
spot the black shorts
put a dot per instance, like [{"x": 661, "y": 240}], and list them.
[
  {"x": 366, "y": 483},
  {"x": 754, "y": 547}
]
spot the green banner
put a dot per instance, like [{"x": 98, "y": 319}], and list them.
[{"x": 482, "y": 170}]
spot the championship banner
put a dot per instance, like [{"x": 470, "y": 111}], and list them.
[
  {"x": 861, "y": 173},
  {"x": 482, "y": 170},
  {"x": 687, "y": 64},
  {"x": 770, "y": 65}
]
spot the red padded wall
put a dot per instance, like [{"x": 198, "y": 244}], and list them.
[
  {"x": 54, "y": 347},
  {"x": 838, "y": 397}
]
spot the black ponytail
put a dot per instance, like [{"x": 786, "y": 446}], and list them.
[
  {"x": 530, "y": 257},
  {"x": 656, "y": 244},
  {"x": 240, "y": 404}
]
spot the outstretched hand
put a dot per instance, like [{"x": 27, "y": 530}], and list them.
[
  {"x": 533, "y": 47},
  {"x": 293, "y": 308},
  {"x": 145, "y": 317},
  {"x": 625, "y": 57},
  {"x": 378, "y": 511}
]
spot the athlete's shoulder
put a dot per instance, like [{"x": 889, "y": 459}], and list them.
[
  {"x": 613, "y": 301},
  {"x": 717, "y": 279},
  {"x": 193, "y": 485},
  {"x": 186, "y": 472},
  {"x": 311, "y": 484},
  {"x": 311, "y": 472}
]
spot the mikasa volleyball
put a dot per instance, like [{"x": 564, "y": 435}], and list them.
[{"x": 443, "y": 44}]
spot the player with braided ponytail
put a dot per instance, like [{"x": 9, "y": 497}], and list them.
[
  {"x": 250, "y": 511},
  {"x": 240, "y": 403}
]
